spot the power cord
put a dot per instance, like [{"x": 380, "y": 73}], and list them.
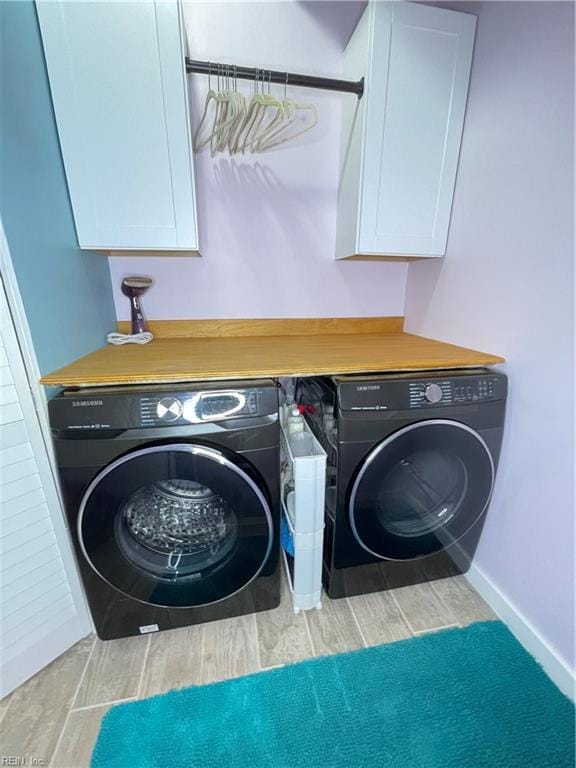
[{"x": 129, "y": 338}]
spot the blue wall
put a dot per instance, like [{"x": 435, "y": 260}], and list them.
[{"x": 66, "y": 292}]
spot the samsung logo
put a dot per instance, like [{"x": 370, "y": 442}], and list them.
[
  {"x": 366, "y": 387},
  {"x": 84, "y": 403}
]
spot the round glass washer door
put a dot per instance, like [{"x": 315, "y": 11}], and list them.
[
  {"x": 176, "y": 525},
  {"x": 421, "y": 490}
]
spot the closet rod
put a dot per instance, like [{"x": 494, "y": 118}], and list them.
[{"x": 274, "y": 76}]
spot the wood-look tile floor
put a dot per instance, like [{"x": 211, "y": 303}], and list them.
[{"x": 55, "y": 716}]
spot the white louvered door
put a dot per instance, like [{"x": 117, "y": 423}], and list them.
[{"x": 42, "y": 610}]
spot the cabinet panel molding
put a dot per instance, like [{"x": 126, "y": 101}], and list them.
[
  {"x": 400, "y": 148},
  {"x": 119, "y": 90}
]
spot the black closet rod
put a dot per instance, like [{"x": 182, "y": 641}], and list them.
[{"x": 274, "y": 76}]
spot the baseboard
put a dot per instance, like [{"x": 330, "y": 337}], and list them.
[{"x": 526, "y": 634}]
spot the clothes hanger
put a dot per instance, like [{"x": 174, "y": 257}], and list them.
[
  {"x": 226, "y": 115},
  {"x": 274, "y": 122},
  {"x": 222, "y": 115},
  {"x": 239, "y": 104},
  {"x": 220, "y": 111},
  {"x": 283, "y": 138},
  {"x": 283, "y": 134},
  {"x": 252, "y": 115},
  {"x": 220, "y": 100},
  {"x": 283, "y": 118},
  {"x": 270, "y": 114},
  {"x": 197, "y": 143},
  {"x": 234, "y": 131},
  {"x": 263, "y": 124}
]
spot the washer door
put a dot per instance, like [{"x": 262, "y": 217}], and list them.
[
  {"x": 421, "y": 490},
  {"x": 176, "y": 525}
]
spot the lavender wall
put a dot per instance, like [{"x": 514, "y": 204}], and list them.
[
  {"x": 506, "y": 285},
  {"x": 267, "y": 222}
]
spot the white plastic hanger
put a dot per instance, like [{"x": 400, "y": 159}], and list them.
[
  {"x": 236, "y": 127},
  {"x": 284, "y": 118},
  {"x": 254, "y": 117},
  {"x": 276, "y": 116},
  {"x": 226, "y": 115},
  {"x": 282, "y": 133},
  {"x": 223, "y": 115},
  {"x": 198, "y": 142},
  {"x": 259, "y": 126}
]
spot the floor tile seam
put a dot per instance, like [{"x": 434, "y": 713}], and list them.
[
  {"x": 143, "y": 670},
  {"x": 309, "y": 632},
  {"x": 104, "y": 704},
  {"x": 202, "y": 654},
  {"x": 397, "y": 603},
  {"x": 356, "y": 621},
  {"x": 59, "y": 740},
  {"x": 428, "y": 630},
  {"x": 83, "y": 674},
  {"x": 257, "y": 636},
  {"x": 445, "y": 604}
]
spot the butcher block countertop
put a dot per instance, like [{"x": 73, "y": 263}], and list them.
[{"x": 199, "y": 350}]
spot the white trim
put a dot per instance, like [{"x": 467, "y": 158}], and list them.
[
  {"x": 526, "y": 634},
  {"x": 26, "y": 347},
  {"x": 24, "y": 365},
  {"x": 43, "y": 651}
]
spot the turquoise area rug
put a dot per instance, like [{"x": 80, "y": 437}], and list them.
[{"x": 461, "y": 698}]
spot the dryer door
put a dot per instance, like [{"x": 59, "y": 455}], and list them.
[
  {"x": 421, "y": 490},
  {"x": 176, "y": 525}
]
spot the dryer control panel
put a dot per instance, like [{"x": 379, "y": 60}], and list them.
[
  {"x": 449, "y": 392},
  {"x": 407, "y": 391}
]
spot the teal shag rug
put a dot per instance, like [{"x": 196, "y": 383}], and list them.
[{"x": 460, "y": 698}]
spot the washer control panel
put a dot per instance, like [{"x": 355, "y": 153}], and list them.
[
  {"x": 198, "y": 407},
  {"x": 120, "y": 408}
]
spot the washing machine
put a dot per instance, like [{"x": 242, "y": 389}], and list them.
[
  {"x": 171, "y": 495},
  {"x": 412, "y": 462}
]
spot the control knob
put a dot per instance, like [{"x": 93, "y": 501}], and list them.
[
  {"x": 433, "y": 393},
  {"x": 169, "y": 409}
]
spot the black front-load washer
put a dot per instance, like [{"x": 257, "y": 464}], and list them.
[
  {"x": 411, "y": 467},
  {"x": 171, "y": 495}
]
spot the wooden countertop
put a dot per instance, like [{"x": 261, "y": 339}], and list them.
[{"x": 241, "y": 349}]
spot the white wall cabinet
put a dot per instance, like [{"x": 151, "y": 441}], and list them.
[
  {"x": 120, "y": 95},
  {"x": 401, "y": 141}
]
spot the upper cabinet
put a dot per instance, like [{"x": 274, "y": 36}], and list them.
[
  {"x": 118, "y": 82},
  {"x": 401, "y": 141}
]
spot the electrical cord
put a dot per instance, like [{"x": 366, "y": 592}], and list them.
[{"x": 129, "y": 338}]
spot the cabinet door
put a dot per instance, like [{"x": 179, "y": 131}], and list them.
[
  {"x": 417, "y": 90},
  {"x": 119, "y": 89},
  {"x": 401, "y": 149}
]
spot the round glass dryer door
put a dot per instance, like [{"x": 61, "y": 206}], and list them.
[
  {"x": 176, "y": 525},
  {"x": 421, "y": 490}
]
